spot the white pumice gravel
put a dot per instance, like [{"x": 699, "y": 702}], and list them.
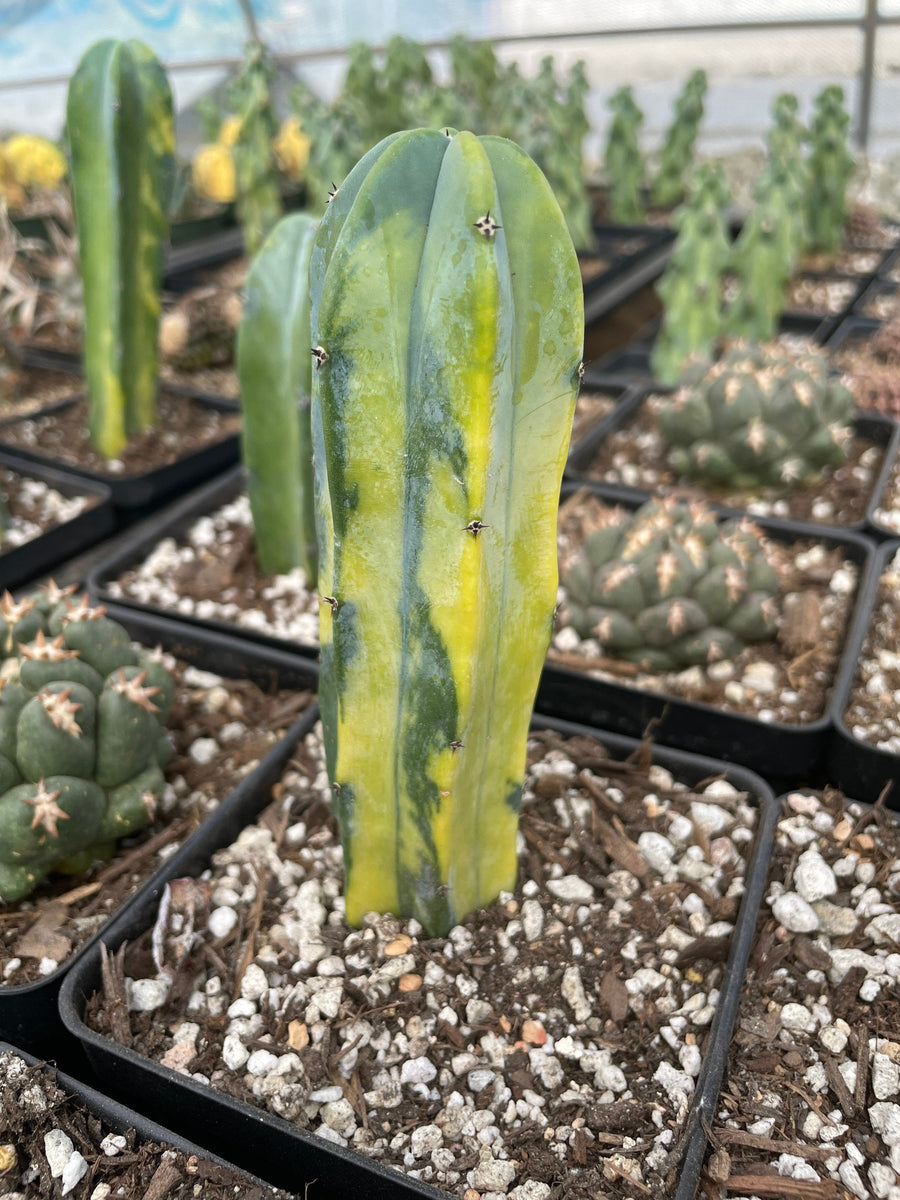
[
  {"x": 212, "y": 575},
  {"x": 559, "y": 1029},
  {"x": 816, "y": 1052},
  {"x": 36, "y": 509}
]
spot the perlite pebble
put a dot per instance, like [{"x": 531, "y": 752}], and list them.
[
  {"x": 494, "y": 1175},
  {"x": 418, "y": 1070},
  {"x": 794, "y": 913},
  {"x": 813, "y": 878},
  {"x": 571, "y": 888}
]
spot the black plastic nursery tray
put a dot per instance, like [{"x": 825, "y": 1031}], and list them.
[
  {"x": 281, "y": 1152},
  {"x": 780, "y": 752},
  {"x": 29, "y": 1015},
  {"x": 34, "y": 558},
  {"x": 877, "y": 301}
]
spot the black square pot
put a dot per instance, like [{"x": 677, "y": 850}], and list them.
[{"x": 281, "y": 1152}]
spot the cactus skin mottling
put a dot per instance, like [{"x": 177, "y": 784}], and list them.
[
  {"x": 121, "y": 128},
  {"x": 758, "y": 417},
  {"x": 80, "y": 754},
  {"x": 668, "y": 587},
  {"x": 447, "y": 304},
  {"x": 275, "y": 370}
]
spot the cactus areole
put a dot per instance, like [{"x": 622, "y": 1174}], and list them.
[{"x": 447, "y": 310}]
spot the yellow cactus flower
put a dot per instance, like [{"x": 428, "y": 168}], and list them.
[
  {"x": 34, "y": 162},
  {"x": 10, "y": 193},
  {"x": 292, "y": 149},
  {"x": 229, "y": 130},
  {"x": 212, "y": 171}
]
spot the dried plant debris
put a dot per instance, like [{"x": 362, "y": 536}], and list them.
[
  {"x": 873, "y": 708},
  {"x": 549, "y": 1046},
  {"x": 811, "y": 1106},
  {"x": 220, "y": 729},
  {"x": 786, "y": 680},
  {"x": 51, "y": 1145}
]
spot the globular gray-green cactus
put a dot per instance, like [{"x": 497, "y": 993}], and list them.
[
  {"x": 669, "y": 587},
  {"x": 691, "y": 285},
  {"x": 624, "y": 161},
  {"x": 676, "y": 160},
  {"x": 82, "y": 737},
  {"x": 760, "y": 416},
  {"x": 830, "y": 166}
]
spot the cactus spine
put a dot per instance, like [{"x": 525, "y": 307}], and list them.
[
  {"x": 624, "y": 161},
  {"x": 121, "y": 129},
  {"x": 830, "y": 165},
  {"x": 447, "y": 319},
  {"x": 275, "y": 369}
]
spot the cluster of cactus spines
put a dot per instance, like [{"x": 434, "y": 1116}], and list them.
[
  {"x": 82, "y": 737},
  {"x": 624, "y": 160},
  {"x": 668, "y": 587},
  {"x": 447, "y": 323},
  {"x": 830, "y": 168},
  {"x": 121, "y": 131},
  {"x": 275, "y": 371},
  {"x": 257, "y": 188},
  {"x": 691, "y": 285},
  {"x": 676, "y": 160},
  {"x": 759, "y": 416}
]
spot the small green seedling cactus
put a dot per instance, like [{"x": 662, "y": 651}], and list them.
[
  {"x": 676, "y": 161},
  {"x": 624, "y": 161},
  {"x": 121, "y": 132},
  {"x": 830, "y": 166},
  {"x": 82, "y": 737},
  {"x": 758, "y": 417},
  {"x": 691, "y": 285},
  {"x": 257, "y": 189},
  {"x": 275, "y": 371},
  {"x": 447, "y": 323},
  {"x": 668, "y": 587}
]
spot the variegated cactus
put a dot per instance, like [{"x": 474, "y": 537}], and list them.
[{"x": 447, "y": 324}]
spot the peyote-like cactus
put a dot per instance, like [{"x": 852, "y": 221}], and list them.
[
  {"x": 447, "y": 326},
  {"x": 82, "y": 737},
  {"x": 257, "y": 192},
  {"x": 275, "y": 369},
  {"x": 676, "y": 161},
  {"x": 831, "y": 165},
  {"x": 691, "y": 285},
  {"x": 669, "y": 587},
  {"x": 624, "y": 161},
  {"x": 121, "y": 130},
  {"x": 760, "y": 416}
]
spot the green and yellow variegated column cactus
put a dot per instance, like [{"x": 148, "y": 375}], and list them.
[
  {"x": 275, "y": 369},
  {"x": 447, "y": 322},
  {"x": 122, "y": 137}
]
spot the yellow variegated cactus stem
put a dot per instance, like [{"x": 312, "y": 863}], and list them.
[
  {"x": 292, "y": 149},
  {"x": 212, "y": 172},
  {"x": 34, "y": 162}
]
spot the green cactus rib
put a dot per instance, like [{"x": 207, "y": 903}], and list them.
[
  {"x": 275, "y": 370},
  {"x": 446, "y": 312},
  {"x": 121, "y": 129}
]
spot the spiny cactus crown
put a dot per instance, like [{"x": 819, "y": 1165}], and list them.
[
  {"x": 82, "y": 737},
  {"x": 668, "y": 587},
  {"x": 759, "y": 416}
]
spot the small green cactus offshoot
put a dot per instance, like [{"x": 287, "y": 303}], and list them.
[
  {"x": 677, "y": 156},
  {"x": 82, "y": 737},
  {"x": 668, "y": 587},
  {"x": 691, "y": 286},
  {"x": 758, "y": 417},
  {"x": 624, "y": 161},
  {"x": 830, "y": 165}
]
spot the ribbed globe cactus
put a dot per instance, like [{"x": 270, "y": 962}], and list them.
[
  {"x": 669, "y": 587},
  {"x": 82, "y": 737},
  {"x": 758, "y": 417}
]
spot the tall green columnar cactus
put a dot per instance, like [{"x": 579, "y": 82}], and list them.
[
  {"x": 691, "y": 286},
  {"x": 447, "y": 323},
  {"x": 790, "y": 172},
  {"x": 275, "y": 368},
  {"x": 624, "y": 161},
  {"x": 830, "y": 165},
  {"x": 678, "y": 150},
  {"x": 122, "y": 138},
  {"x": 257, "y": 195}
]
